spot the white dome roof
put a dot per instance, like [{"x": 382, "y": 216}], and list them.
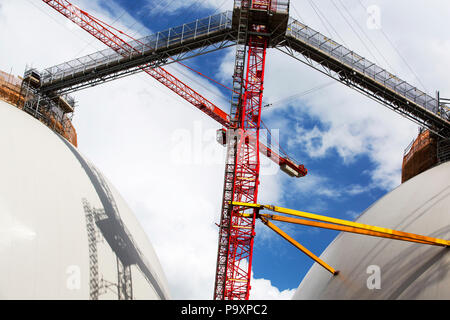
[
  {"x": 65, "y": 232},
  {"x": 403, "y": 270}
]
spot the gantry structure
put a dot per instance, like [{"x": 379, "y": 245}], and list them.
[{"x": 253, "y": 27}]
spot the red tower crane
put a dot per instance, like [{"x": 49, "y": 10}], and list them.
[
  {"x": 253, "y": 26},
  {"x": 243, "y": 137}
]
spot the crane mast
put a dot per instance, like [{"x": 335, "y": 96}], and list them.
[{"x": 237, "y": 223}]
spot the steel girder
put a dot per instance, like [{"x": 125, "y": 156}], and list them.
[
  {"x": 334, "y": 60},
  {"x": 298, "y": 41}
]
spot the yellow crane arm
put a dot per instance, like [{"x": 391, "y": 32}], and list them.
[
  {"x": 379, "y": 231},
  {"x": 298, "y": 245},
  {"x": 331, "y": 226},
  {"x": 325, "y": 222}
]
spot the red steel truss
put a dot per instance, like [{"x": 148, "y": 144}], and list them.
[
  {"x": 108, "y": 35},
  {"x": 246, "y": 182}
]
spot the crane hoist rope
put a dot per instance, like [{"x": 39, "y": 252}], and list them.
[{"x": 301, "y": 94}]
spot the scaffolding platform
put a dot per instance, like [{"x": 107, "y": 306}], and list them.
[
  {"x": 420, "y": 155},
  {"x": 55, "y": 113}
]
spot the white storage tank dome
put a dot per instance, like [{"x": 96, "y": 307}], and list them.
[{"x": 65, "y": 232}]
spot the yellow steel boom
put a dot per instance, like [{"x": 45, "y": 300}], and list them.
[{"x": 320, "y": 221}]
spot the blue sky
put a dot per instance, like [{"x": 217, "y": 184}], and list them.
[{"x": 351, "y": 145}]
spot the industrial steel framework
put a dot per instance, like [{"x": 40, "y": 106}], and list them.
[
  {"x": 324, "y": 222},
  {"x": 253, "y": 26},
  {"x": 237, "y": 231},
  {"x": 220, "y": 31}
]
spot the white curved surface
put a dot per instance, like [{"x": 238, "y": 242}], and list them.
[
  {"x": 407, "y": 270},
  {"x": 43, "y": 232}
]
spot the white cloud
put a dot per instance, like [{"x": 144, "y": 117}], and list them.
[
  {"x": 323, "y": 187},
  {"x": 263, "y": 289},
  {"x": 352, "y": 125}
]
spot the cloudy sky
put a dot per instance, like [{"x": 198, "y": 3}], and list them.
[{"x": 161, "y": 153}]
